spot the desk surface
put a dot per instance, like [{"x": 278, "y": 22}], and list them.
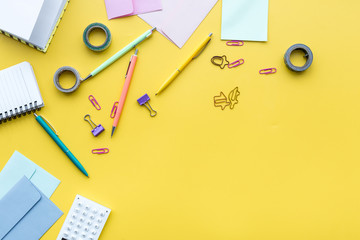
[{"x": 283, "y": 164}]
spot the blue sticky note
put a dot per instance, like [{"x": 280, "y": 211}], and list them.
[
  {"x": 244, "y": 20},
  {"x": 26, "y": 213},
  {"x": 19, "y": 166}
]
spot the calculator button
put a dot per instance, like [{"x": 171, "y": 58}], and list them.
[
  {"x": 84, "y": 213},
  {"x": 94, "y": 232},
  {"x": 92, "y": 216},
  {"x": 82, "y": 219},
  {"x": 79, "y": 225},
  {"x": 97, "y": 226},
  {"x": 99, "y": 220},
  {"x": 95, "y": 211},
  {"x": 76, "y": 231},
  {"x": 86, "y": 229}
]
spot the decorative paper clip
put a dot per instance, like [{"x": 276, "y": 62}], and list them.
[
  {"x": 94, "y": 102},
  {"x": 267, "y": 70},
  {"x": 222, "y": 60},
  {"x": 113, "y": 110},
  {"x": 236, "y": 63},
  {"x": 96, "y": 130},
  {"x": 100, "y": 151},
  {"x": 235, "y": 43},
  {"x": 222, "y": 101},
  {"x": 144, "y": 101}
]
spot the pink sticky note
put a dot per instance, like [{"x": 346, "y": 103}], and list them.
[
  {"x": 179, "y": 18},
  {"x": 123, "y": 8}
]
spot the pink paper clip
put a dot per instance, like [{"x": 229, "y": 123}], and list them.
[
  {"x": 235, "y": 43},
  {"x": 267, "y": 70},
  {"x": 236, "y": 63},
  {"x": 100, "y": 151},
  {"x": 94, "y": 102},
  {"x": 113, "y": 110}
]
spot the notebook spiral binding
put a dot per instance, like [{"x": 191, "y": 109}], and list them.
[{"x": 18, "y": 112}]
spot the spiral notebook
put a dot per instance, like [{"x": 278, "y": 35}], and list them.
[{"x": 19, "y": 92}]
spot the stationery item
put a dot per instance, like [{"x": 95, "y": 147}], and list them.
[
  {"x": 85, "y": 220},
  {"x": 26, "y": 213},
  {"x": 102, "y": 46},
  {"x": 100, "y": 151},
  {"x": 244, "y": 20},
  {"x": 31, "y": 22},
  {"x": 220, "y": 61},
  {"x": 114, "y": 109},
  {"x": 53, "y": 134},
  {"x": 128, "y": 76},
  {"x": 19, "y": 91},
  {"x": 19, "y": 166},
  {"x": 60, "y": 71},
  {"x": 267, "y": 71},
  {"x": 233, "y": 96},
  {"x": 236, "y": 63},
  {"x": 96, "y": 129},
  {"x": 222, "y": 101},
  {"x": 179, "y": 18},
  {"x": 123, "y": 8},
  {"x": 144, "y": 101},
  {"x": 308, "y": 55},
  {"x": 104, "y": 65},
  {"x": 196, "y": 53},
  {"x": 94, "y": 102},
  {"x": 235, "y": 43}
]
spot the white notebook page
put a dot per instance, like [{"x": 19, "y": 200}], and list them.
[
  {"x": 19, "y": 91},
  {"x": 18, "y": 17}
]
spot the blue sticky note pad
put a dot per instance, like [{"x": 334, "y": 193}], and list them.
[
  {"x": 19, "y": 166},
  {"x": 26, "y": 213},
  {"x": 244, "y": 20}
]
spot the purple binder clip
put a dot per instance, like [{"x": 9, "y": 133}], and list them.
[
  {"x": 96, "y": 129},
  {"x": 144, "y": 101}
]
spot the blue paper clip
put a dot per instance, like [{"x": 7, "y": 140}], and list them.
[{"x": 144, "y": 101}]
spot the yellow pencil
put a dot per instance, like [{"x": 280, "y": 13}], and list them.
[{"x": 178, "y": 70}]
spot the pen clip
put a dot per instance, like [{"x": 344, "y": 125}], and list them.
[
  {"x": 128, "y": 67},
  {"x": 49, "y": 124},
  {"x": 202, "y": 49}
]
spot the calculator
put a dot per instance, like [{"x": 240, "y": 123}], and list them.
[{"x": 85, "y": 220}]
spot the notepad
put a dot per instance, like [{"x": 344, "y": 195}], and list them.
[
  {"x": 19, "y": 92},
  {"x": 31, "y": 22}
]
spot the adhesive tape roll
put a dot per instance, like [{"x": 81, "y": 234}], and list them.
[
  {"x": 308, "y": 54},
  {"x": 87, "y": 32},
  {"x": 61, "y": 71}
]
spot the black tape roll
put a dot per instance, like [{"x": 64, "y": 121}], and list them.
[{"x": 308, "y": 54}]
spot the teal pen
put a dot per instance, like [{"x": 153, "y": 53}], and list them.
[
  {"x": 120, "y": 53},
  {"x": 62, "y": 146}
]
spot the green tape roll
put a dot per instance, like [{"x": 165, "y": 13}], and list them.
[{"x": 87, "y": 32}]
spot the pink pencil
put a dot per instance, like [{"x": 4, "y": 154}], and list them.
[{"x": 125, "y": 89}]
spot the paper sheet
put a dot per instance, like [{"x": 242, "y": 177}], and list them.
[
  {"x": 179, "y": 18},
  {"x": 19, "y": 16},
  {"x": 122, "y": 8},
  {"x": 19, "y": 166},
  {"x": 26, "y": 213},
  {"x": 244, "y": 20}
]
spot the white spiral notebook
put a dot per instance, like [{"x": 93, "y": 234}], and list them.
[{"x": 19, "y": 92}]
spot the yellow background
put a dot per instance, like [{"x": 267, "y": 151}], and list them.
[{"x": 283, "y": 164}]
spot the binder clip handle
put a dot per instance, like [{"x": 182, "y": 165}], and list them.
[{"x": 92, "y": 124}]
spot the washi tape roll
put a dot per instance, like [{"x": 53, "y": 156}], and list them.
[
  {"x": 92, "y": 27},
  {"x": 61, "y": 71},
  {"x": 308, "y": 55}
]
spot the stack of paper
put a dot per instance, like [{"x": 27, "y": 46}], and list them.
[
  {"x": 123, "y": 8},
  {"x": 26, "y": 212},
  {"x": 179, "y": 18}
]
